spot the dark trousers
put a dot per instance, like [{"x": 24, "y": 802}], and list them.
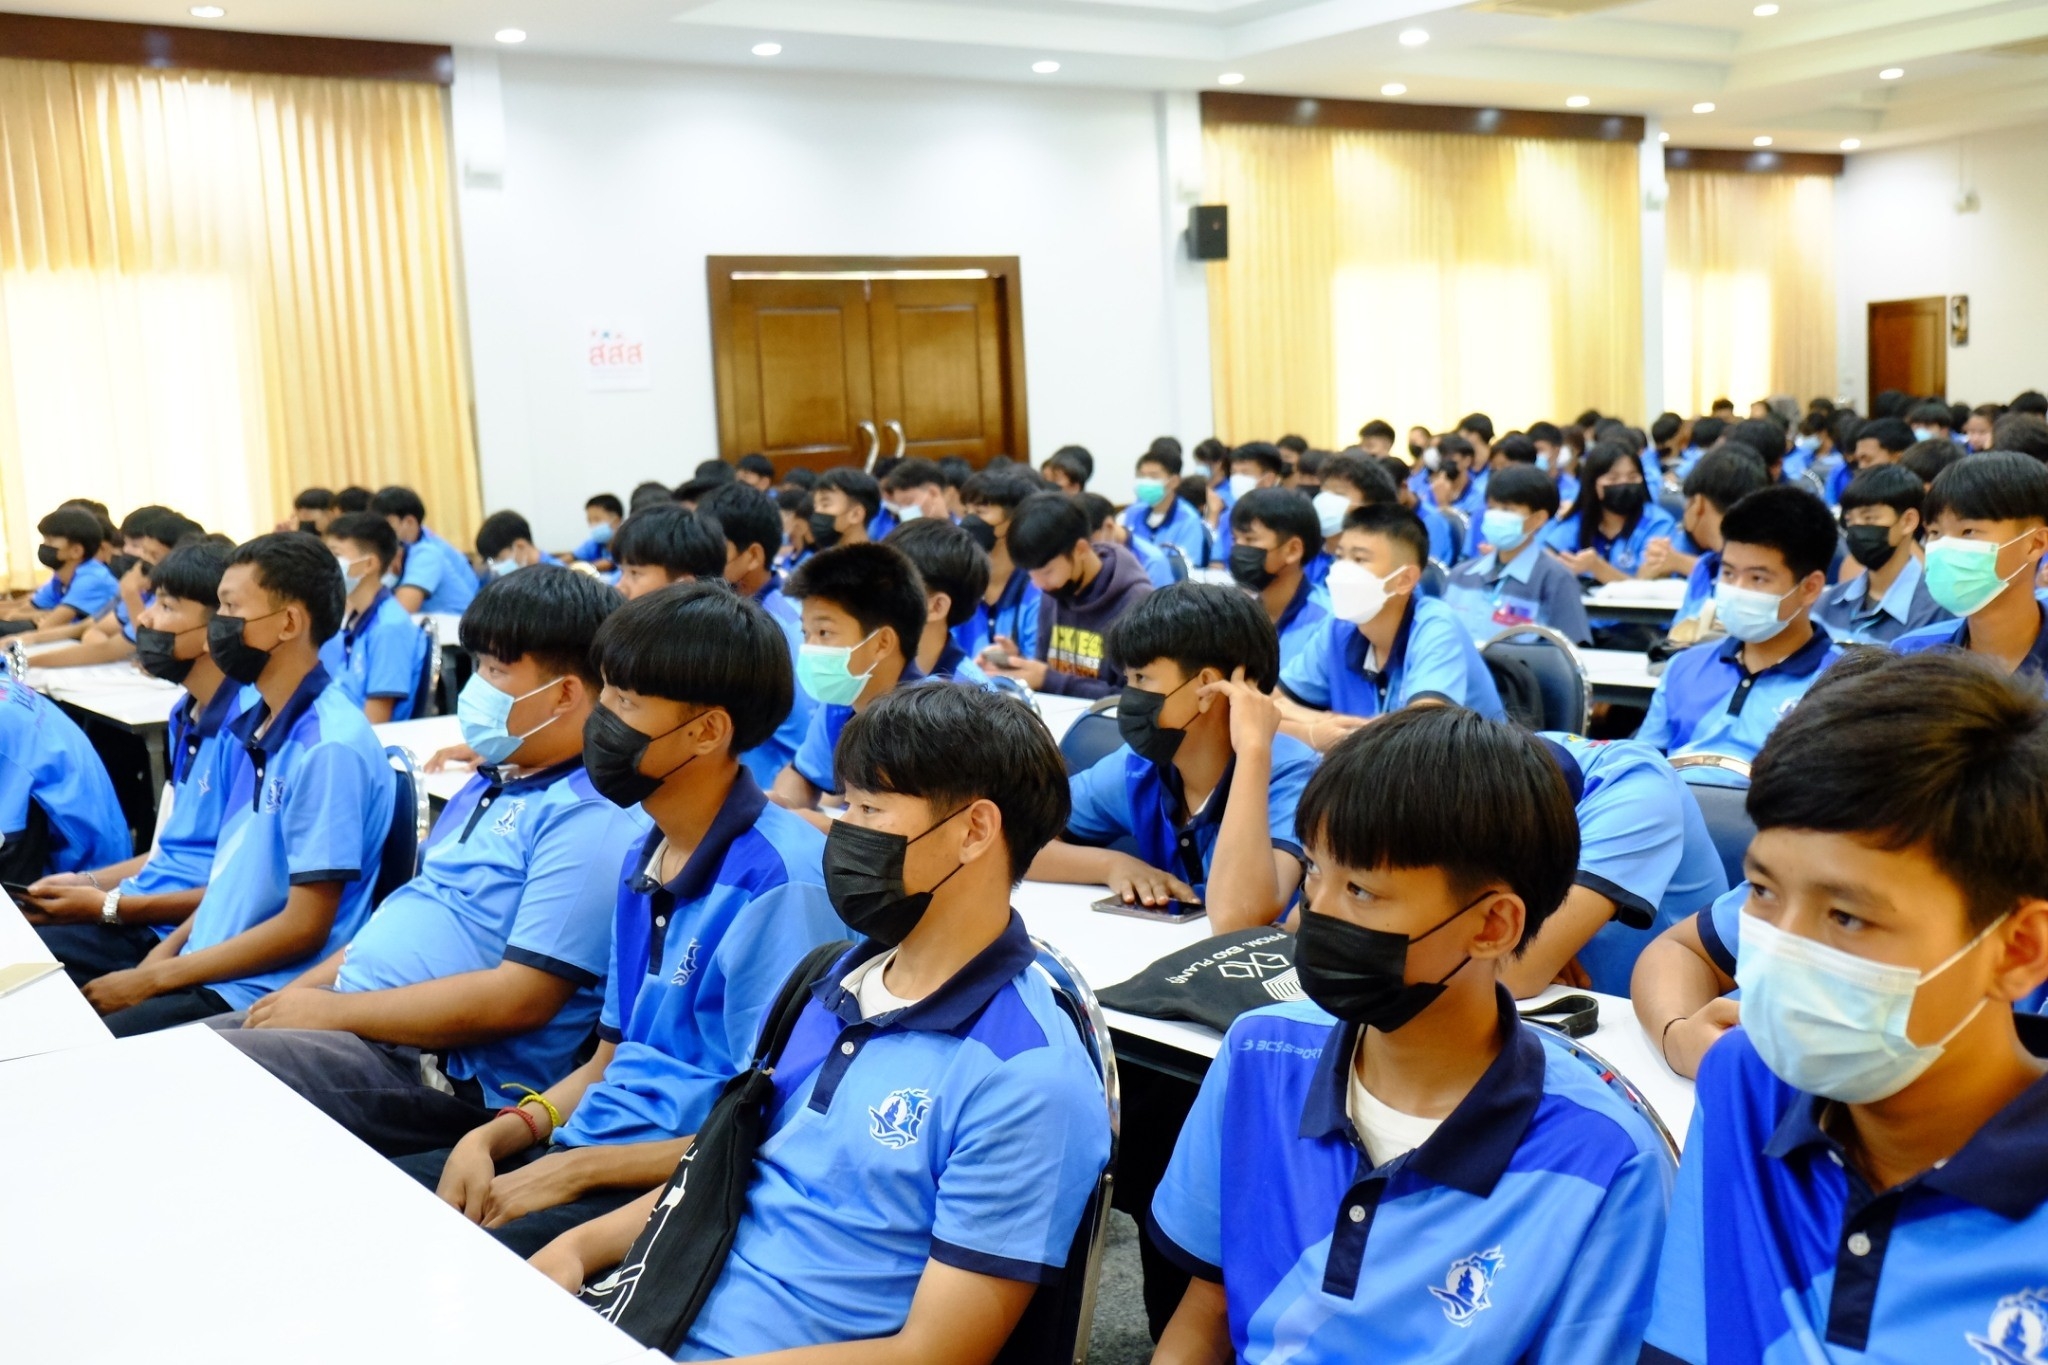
[
  {"x": 91, "y": 951},
  {"x": 1155, "y": 1106},
  {"x": 528, "y": 1234},
  {"x": 168, "y": 1010},
  {"x": 378, "y": 1091}
]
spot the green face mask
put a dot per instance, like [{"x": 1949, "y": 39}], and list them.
[
  {"x": 1962, "y": 575},
  {"x": 826, "y": 673}
]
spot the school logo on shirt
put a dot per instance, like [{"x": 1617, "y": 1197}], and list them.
[
  {"x": 205, "y": 782},
  {"x": 508, "y": 818},
  {"x": 273, "y": 795},
  {"x": 899, "y": 1120},
  {"x": 1463, "y": 1295},
  {"x": 686, "y": 965},
  {"x": 2018, "y": 1332},
  {"x": 1274, "y": 973}
]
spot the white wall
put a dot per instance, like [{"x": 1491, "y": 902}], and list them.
[
  {"x": 593, "y": 191},
  {"x": 1898, "y": 236}
]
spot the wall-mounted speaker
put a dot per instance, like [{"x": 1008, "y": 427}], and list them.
[{"x": 1209, "y": 232}]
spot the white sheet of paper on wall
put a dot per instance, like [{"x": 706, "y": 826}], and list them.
[{"x": 614, "y": 359}]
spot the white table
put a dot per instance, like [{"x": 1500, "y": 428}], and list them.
[
  {"x": 1646, "y": 601},
  {"x": 121, "y": 696},
  {"x": 48, "y": 1015},
  {"x": 167, "y": 1200},
  {"x": 1619, "y": 675}
]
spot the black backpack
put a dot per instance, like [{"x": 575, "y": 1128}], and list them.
[{"x": 1521, "y": 693}]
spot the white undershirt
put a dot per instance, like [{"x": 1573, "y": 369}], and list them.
[
  {"x": 1385, "y": 1130},
  {"x": 865, "y": 982}
]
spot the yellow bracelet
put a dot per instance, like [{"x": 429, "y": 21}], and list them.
[{"x": 532, "y": 1096}]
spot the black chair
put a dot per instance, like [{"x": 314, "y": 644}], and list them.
[
  {"x": 1092, "y": 738},
  {"x": 1055, "y": 1327},
  {"x": 17, "y": 661},
  {"x": 1721, "y": 786},
  {"x": 1435, "y": 577},
  {"x": 1176, "y": 562},
  {"x": 410, "y": 823},
  {"x": 427, "y": 686},
  {"x": 1540, "y": 667},
  {"x": 1458, "y": 526}
]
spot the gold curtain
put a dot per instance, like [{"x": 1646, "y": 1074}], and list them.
[
  {"x": 1749, "y": 288},
  {"x": 1420, "y": 276},
  {"x": 216, "y": 289}
]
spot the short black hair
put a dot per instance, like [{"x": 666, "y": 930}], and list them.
[
  {"x": 948, "y": 561},
  {"x": 673, "y": 539},
  {"x": 1708, "y": 430},
  {"x": 1455, "y": 446},
  {"x": 1477, "y": 422},
  {"x": 1662, "y": 431},
  {"x": 367, "y": 529},
  {"x": 354, "y": 498},
  {"x": 396, "y": 500},
  {"x": 745, "y": 516},
  {"x": 1283, "y": 511},
  {"x": 1004, "y": 486},
  {"x": 1726, "y": 475},
  {"x": 1164, "y": 452},
  {"x": 1932, "y": 410},
  {"x": 1889, "y": 432},
  {"x": 1264, "y": 454},
  {"x": 796, "y": 501},
  {"x": 1496, "y": 807},
  {"x": 294, "y": 567},
  {"x": 954, "y": 471},
  {"x": 1516, "y": 449},
  {"x": 1999, "y": 485},
  {"x": 713, "y": 471},
  {"x": 757, "y": 464},
  {"x": 1043, "y": 527},
  {"x": 877, "y": 585},
  {"x": 649, "y": 494},
  {"x": 857, "y": 484},
  {"x": 1293, "y": 444},
  {"x": 913, "y": 473},
  {"x": 498, "y": 532},
  {"x": 1311, "y": 462},
  {"x": 192, "y": 572},
  {"x": 693, "y": 491},
  {"x": 314, "y": 499},
  {"x": 1789, "y": 520},
  {"x": 109, "y": 533},
  {"x": 1393, "y": 521},
  {"x": 2031, "y": 401},
  {"x": 1767, "y": 438},
  {"x": 800, "y": 476},
  {"x": 1886, "y": 485},
  {"x": 1934, "y": 750},
  {"x": 1101, "y": 511},
  {"x": 1197, "y": 626},
  {"x": 704, "y": 645},
  {"x": 76, "y": 525},
  {"x": 2021, "y": 431},
  {"x": 1078, "y": 455},
  {"x": 1210, "y": 450},
  {"x": 1078, "y": 470},
  {"x": 951, "y": 746},
  {"x": 608, "y": 503},
  {"x": 1523, "y": 485},
  {"x": 547, "y": 612},
  {"x": 1929, "y": 457},
  {"x": 173, "y": 528},
  {"x": 1377, "y": 427},
  {"x": 1367, "y": 473}
]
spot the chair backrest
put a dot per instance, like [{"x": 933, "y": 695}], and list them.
[
  {"x": 410, "y": 823},
  {"x": 1563, "y": 693},
  {"x": 427, "y": 686},
  {"x": 1721, "y": 786},
  {"x": 17, "y": 660},
  {"x": 999, "y": 682},
  {"x": 1176, "y": 562},
  {"x": 1621, "y": 1086},
  {"x": 1435, "y": 577},
  {"x": 1458, "y": 528},
  {"x": 1092, "y": 738},
  {"x": 1056, "y": 1324}
]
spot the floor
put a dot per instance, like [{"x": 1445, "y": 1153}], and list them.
[{"x": 1120, "y": 1337}]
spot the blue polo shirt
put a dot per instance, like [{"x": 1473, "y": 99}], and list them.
[
  {"x": 696, "y": 962},
  {"x": 1643, "y": 844},
  {"x": 1443, "y": 545},
  {"x": 203, "y": 755},
  {"x": 1524, "y": 1230},
  {"x": 1153, "y": 561},
  {"x": 1624, "y": 552},
  {"x": 311, "y": 801},
  {"x": 1530, "y": 589},
  {"x": 1181, "y": 527},
  {"x": 378, "y": 653},
  {"x": 1953, "y": 634},
  {"x": 1433, "y": 656},
  {"x": 768, "y": 758},
  {"x": 1801, "y": 1261},
  {"x": 1852, "y": 618},
  {"x": 813, "y": 761},
  {"x": 592, "y": 551},
  {"x": 121, "y": 615},
  {"x": 1125, "y": 796},
  {"x": 440, "y": 571},
  {"x": 955, "y": 666},
  {"x": 1699, "y": 585},
  {"x": 1707, "y": 702},
  {"x": 1303, "y": 620},
  {"x": 92, "y": 589},
  {"x": 46, "y": 760},
  {"x": 1016, "y": 614},
  {"x": 967, "y": 1129},
  {"x": 516, "y": 871}
]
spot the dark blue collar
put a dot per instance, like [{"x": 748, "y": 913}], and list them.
[
  {"x": 1210, "y": 814},
  {"x": 2037, "y": 657},
  {"x": 354, "y": 629},
  {"x": 1013, "y": 592},
  {"x": 526, "y": 782},
  {"x": 1175, "y": 504},
  {"x": 950, "y": 658},
  {"x": 1295, "y": 603},
  {"x": 300, "y": 701},
  {"x": 953, "y": 1006},
  {"x": 1471, "y": 1149},
  {"x": 774, "y": 584},
  {"x": 205, "y": 722},
  {"x": 1802, "y": 661},
  {"x": 1356, "y": 646},
  {"x": 912, "y": 675},
  {"x": 740, "y": 812}
]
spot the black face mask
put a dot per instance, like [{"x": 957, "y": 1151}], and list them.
[
  {"x": 1361, "y": 975},
  {"x": 46, "y": 555},
  {"x": 1625, "y": 499},
  {"x": 239, "y": 660},
  {"x": 612, "y": 751},
  {"x": 1248, "y": 567},
  {"x": 119, "y": 565},
  {"x": 157, "y": 652},
  {"x": 864, "y": 879},
  {"x": 983, "y": 534},
  {"x": 825, "y": 532},
  {"x": 1137, "y": 720},
  {"x": 1870, "y": 546}
]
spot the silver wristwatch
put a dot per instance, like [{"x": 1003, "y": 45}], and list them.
[{"x": 110, "y": 907}]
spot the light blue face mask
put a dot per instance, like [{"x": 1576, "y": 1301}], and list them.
[
  {"x": 1750, "y": 616},
  {"x": 1962, "y": 575},
  {"x": 826, "y": 673},
  {"x": 350, "y": 581},
  {"x": 1150, "y": 492},
  {"x": 1543, "y": 460},
  {"x": 601, "y": 533},
  {"x": 484, "y": 712},
  {"x": 1923, "y": 433},
  {"x": 1503, "y": 529},
  {"x": 1331, "y": 509},
  {"x": 910, "y": 513},
  {"x": 501, "y": 567},
  {"x": 1806, "y": 443}
]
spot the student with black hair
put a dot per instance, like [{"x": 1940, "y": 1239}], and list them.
[
  {"x": 1514, "y": 582},
  {"x": 147, "y": 535},
  {"x": 1608, "y": 532},
  {"x": 1881, "y": 440},
  {"x": 602, "y": 514},
  {"x": 1351, "y": 481},
  {"x": 2023, "y": 432},
  {"x": 1706, "y": 434},
  {"x": 1864, "y": 1176},
  {"x": 354, "y": 498},
  {"x": 795, "y": 506},
  {"x": 1810, "y": 443},
  {"x": 915, "y": 489},
  {"x": 1988, "y": 523},
  {"x": 1723, "y": 696},
  {"x": 1978, "y": 427},
  {"x": 1203, "y": 783},
  {"x": 1376, "y": 437},
  {"x": 1013, "y": 604},
  {"x": 1427, "y": 1146},
  {"x": 1385, "y": 646},
  {"x": 1278, "y": 539},
  {"x": 846, "y": 509},
  {"x": 864, "y": 613},
  {"x": 477, "y": 981},
  {"x": 1069, "y": 469},
  {"x": 1881, "y": 511},
  {"x": 1926, "y": 459},
  {"x": 954, "y": 572},
  {"x": 437, "y": 577},
  {"x": 1105, "y": 530},
  {"x": 377, "y": 655},
  {"x": 1158, "y": 515},
  {"x": 110, "y": 917},
  {"x": 751, "y": 526},
  {"x": 652, "y": 493},
  {"x": 1086, "y": 588},
  {"x": 1453, "y": 487},
  {"x": 1931, "y": 421},
  {"x": 1255, "y": 464},
  {"x": 660, "y": 545},
  {"x": 1667, "y": 438},
  {"x": 304, "y": 821},
  {"x": 80, "y": 586},
  {"x": 1477, "y": 428},
  {"x": 756, "y": 471},
  {"x": 1717, "y": 481},
  {"x": 955, "y": 472}
]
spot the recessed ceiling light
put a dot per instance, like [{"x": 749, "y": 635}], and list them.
[
  {"x": 1045, "y": 68},
  {"x": 1663, "y": 137},
  {"x": 767, "y": 49},
  {"x": 1764, "y": 11},
  {"x": 1850, "y": 144},
  {"x": 1231, "y": 78},
  {"x": 207, "y": 12},
  {"x": 1578, "y": 102},
  {"x": 1414, "y": 37},
  {"x": 1393, "y": 88},
  {"x": 1704, "y": 107},
  {"x": 1891, "y": 73},
  {"x": 510, "y": 35},
  {"x": 1761, "y": 142}
]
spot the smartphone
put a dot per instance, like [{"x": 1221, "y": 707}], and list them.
[
  {"x": 1173, "y": 912},
  {"x": 18, "y": 894},
  {"x": 996, "y": 658}
]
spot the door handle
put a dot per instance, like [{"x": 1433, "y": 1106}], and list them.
[
  {"x": 874, "y": 445},
  {"x": 902, "y": 441}
]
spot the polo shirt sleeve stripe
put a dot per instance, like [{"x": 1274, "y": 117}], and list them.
[
  {"x": 1629, "y": 908},
  {"x": 1719, "y": 950},
  {"x": 1180, "y": 1255},
  {"x": 553, "y": 966},
  {"x": 998, "y": 1267},
  {"x": 326, "y": 874}
]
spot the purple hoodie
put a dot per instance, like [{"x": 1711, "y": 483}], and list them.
[{"x": 1070, "y": 633}]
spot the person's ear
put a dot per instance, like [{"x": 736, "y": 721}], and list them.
[
  {"x": 1207, "y": 674},
  {"x": 1500, "y": 932},
  {"x": 1811, "y": 587},
  {"x": 571, "y": 693},
  {"x": 2021, "y": 963},
  {"x": 984, "y": 830},
  {"x": 938, "y": 607},
  {"x": 713, "y": 731},
  {"x": 1912, "y": 527},
  {"x": 1294, "y": 552}
]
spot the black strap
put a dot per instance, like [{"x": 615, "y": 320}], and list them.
[
  {"x": 1576, "y": 1015},
  {"x": 789, "y": 1004}
]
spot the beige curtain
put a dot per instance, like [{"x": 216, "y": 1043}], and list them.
[
  {"x": 216, "y": 289},
  {"x": 1416, "y": 277},
  {"x": 1749, "y": 299}
]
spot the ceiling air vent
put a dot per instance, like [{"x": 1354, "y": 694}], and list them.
[{"x": 1549, "y": 9}]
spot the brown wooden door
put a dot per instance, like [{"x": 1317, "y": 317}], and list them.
[
  {"x": 801, "y": 371},
  {"x": 938, "y": 349},
  {"x": 1909, "y": 347}
]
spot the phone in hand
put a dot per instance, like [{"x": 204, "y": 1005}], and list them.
[
  {"x": 18, "y": 894},
  {"x": 997, "y": 658},
  {"x": 1173, "y": 912}
]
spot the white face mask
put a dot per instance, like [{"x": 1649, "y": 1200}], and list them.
[
  {"x": 910, "y": 513},
  {"x": 1330, "y": 511},
  {"x": 1750, "y": 616},
  {"x": 1241, "y": 484},
  {"x": 1356, "y": 593}
]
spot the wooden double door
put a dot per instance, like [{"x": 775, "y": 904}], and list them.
[
  {"x": 822, "y": 362},
  {"x": 1909, "y": 347}
]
